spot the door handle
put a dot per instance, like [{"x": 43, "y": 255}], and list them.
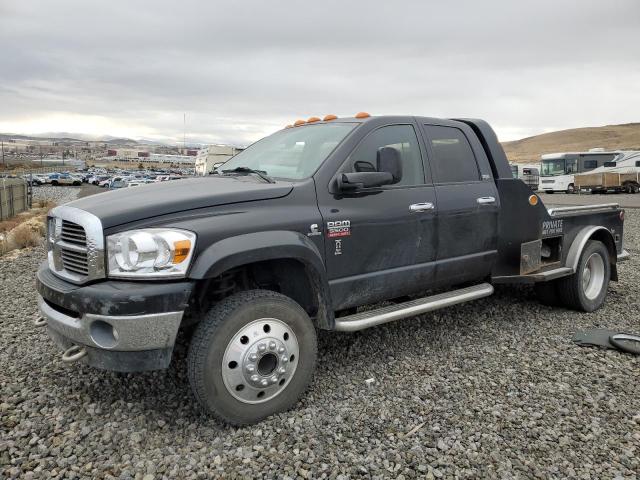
[
  {"x": 421, "y": 207},
  {"x": 486, "y": 200}
]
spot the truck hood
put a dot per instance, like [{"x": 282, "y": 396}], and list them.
[{"x": 126, "y": 205}]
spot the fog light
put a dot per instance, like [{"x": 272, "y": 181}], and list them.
[{"x": 103, "y": 334}]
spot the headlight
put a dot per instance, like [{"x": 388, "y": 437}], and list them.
[{"x": 150, "y": 253}]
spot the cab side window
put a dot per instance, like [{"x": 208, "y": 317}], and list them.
[
  {"x": 400, "y": 137},
  {"x": 453, "y": 159}
]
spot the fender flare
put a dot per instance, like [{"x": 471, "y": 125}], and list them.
[
  {"x": 270, "y": 245},
  {"x": 581, "y": 239}
]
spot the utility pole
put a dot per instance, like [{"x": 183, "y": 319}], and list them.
[
  {"x": 2, "y": 143},
  {"x": 184, "y": 133}
]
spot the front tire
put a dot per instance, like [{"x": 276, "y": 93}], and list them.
[
  {"x": 252, "y": 355},
  {"x": 571, "y": 189},
  {"x": 586, "y": 289}
]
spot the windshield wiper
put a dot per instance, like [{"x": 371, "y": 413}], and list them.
[{"x": 261, "y": 173}]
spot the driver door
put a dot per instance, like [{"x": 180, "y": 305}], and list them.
[{"x": 380, "y": 241}]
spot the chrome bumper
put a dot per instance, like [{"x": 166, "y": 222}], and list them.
[{"x": 117, "y": 333}]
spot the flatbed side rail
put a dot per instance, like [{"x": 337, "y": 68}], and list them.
[{"x": 583, "y": 209}]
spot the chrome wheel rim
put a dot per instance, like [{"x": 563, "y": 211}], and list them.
[
  {"x": 260, "y": 360},
  {"x": 593, "y": 276}
]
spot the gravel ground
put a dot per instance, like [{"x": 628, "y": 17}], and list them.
[
  {"x": 490, "y": 389},
  {"x": 60, "y": 194}
]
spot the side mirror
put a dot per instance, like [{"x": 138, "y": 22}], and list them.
[
  {"x": 357, "y": 180},
  {"x": 388, "y": 161},
  {"x": 361, "y": 166}
]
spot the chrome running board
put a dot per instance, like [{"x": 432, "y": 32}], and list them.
[{"x": 362, "y": 320}]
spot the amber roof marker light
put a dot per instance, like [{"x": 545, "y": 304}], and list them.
[
  {"x": 313, "y": 119},
  {"x": 328, "y": 118},
  {"x": 297, "y": 123},
  {"x": 362, "y": 115}
]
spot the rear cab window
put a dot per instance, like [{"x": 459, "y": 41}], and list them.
[{"x": 452, "y": 158}]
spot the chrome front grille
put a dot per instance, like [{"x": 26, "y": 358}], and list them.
[
  {"x": 73, "y": 233},
  {"x": 76, "y": 245},
  {"x": 75, "y": 261}
]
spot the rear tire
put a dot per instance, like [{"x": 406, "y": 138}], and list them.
[
  {"x": 54, "y": 183},
  {"x": 586, "y": 289},
  {"x": 571, "y": 189},
  {"x": 252, "y": 355},
  {"x": 547, "y": 293}
]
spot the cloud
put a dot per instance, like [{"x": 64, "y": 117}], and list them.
[{"x": 243, "y": 69}]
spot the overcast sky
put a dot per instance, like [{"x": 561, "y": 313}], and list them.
[{"x": 242, "y": 69}]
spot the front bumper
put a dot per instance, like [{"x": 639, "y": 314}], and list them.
[{"x": 123, "y": 326}]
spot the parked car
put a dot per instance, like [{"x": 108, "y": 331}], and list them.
[
  {"x": 64, "y": 179},
  {"x": 97, "y": 179},
  {"x": 137, "y": 183},
  {"x": 117, "y": 182},
  {"x": 286, "y": 240},
  {"x": 32, "y": 180}
]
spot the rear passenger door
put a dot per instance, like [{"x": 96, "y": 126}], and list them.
[{"x": 468, "y": 203}]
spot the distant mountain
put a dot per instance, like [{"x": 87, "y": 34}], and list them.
[
  {"x": 609, "y": 137},
  {"x": 119, "y": 141},
  {"x": 77, "y": 137},
  {"x": 66, "y": 138}
]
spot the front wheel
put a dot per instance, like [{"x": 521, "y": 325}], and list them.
[
  {"x": 252, "y": 355},
  {"x": 587, "y": 288},
  {"x": 571, "y": 189}
]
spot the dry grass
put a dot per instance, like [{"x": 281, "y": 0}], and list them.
[
  {"x": 7, "y": 225},
  {"x": 610, "y": 137},
  {"x": 26, "y": 229},
  {"x": 25, "y": 235}
]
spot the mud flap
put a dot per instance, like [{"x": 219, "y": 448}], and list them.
[{"x": 611, "y": 339}]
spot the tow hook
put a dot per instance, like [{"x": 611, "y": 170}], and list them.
[
  {"x": 73, "y": 354},
  {"x": 40, "y": 322}
]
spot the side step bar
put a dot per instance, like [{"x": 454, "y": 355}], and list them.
[{"x": 362, "y": 320}]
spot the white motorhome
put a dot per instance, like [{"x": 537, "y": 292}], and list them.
[
  {"x": 622, "y": 174},
  {"x": 557, "y": 170}
]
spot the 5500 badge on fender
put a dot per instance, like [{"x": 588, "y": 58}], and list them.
[{"x": 339, "y": 228}]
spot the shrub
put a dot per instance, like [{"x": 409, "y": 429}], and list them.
[{"x": 25, "y": 235}]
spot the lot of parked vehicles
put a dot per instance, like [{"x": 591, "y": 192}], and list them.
[{"x": 109, "y": 179}]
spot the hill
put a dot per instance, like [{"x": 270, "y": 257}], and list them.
[{"x": 609, "y": 137}]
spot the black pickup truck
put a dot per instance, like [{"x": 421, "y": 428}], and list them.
[{"x": 409, "y": 214}]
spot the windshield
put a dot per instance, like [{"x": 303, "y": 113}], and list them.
[
  {"x": 293, "y": 153},
  {"x": 552, "y": 167}
]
